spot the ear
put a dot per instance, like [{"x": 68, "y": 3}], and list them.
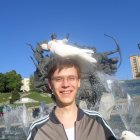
[
  {"x": 50, "y": 85},
  {"x": 79, "y": 82}
]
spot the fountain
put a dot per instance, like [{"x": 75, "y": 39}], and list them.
[
  {"x": 15, "y": 123},
  {"x": 99, "y": 91},
  {"x": 126, "y": 107}
]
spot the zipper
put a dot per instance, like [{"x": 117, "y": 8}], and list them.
[
  {"x": 74, "y": 130},
  {"x": 65, "y": 132}
]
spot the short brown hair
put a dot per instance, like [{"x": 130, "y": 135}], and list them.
[{"x": 60, "y": 63}]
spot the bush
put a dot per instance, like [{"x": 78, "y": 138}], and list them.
[{"x": 15, "y": 96}]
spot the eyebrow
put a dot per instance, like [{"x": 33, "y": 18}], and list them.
[{"x": 64, "y": 76}]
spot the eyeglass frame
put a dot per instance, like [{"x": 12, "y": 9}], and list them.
[{"x": 60, "y": 79}]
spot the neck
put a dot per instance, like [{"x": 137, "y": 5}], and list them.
[
  {"x": 67, "y": 115},
  {"x": 69, "y": 109}
]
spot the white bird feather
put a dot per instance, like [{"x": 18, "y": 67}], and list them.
[{"x": 128, "y": 135}]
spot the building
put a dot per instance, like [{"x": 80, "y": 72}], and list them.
[
  {"x": 25, "y": 87},
  {"x": 131, "y": 87},
  {"x": 135, "y": 65}
]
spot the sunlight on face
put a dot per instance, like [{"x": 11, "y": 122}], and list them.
[{"x": 65, "y": 84}]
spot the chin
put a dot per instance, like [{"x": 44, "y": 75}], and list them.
[{"x": 66, "y": 102}]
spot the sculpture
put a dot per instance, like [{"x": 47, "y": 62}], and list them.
[{"x": 92, "y": 88}]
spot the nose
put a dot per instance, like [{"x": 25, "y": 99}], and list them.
[{"x": 65, "y": 82}]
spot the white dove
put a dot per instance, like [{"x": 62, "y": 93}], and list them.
[
  {"x": 60, "y": 48},
  {"x": 128, "y": 135}
]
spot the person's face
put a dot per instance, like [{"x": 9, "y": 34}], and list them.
[{"x": 64, "y": 85}]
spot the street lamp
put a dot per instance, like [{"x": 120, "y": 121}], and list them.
[{"x": 139, "y": 46}]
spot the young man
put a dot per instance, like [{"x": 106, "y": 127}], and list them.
[{"x": 67, "y": 121}]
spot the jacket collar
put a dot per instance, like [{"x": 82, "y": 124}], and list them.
[{"x": 55, "y": 120}]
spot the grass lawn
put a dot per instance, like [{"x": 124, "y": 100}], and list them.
[
  {"x": 38, "y": 97},
  {"x": 4, "y": 97}
]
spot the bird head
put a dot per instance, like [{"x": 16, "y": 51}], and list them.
[{"x": 128, "y": 135}]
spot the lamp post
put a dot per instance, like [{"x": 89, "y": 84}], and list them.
[{"x": 139, "y": 46}]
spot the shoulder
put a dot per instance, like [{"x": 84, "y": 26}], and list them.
[
  {"x": 101, "y": 121},
  {"x": 39, "y": 121},
  {"x": 92, "y": 113},
  {"x": 96, "y": 116},
  {"x": 36, "y": 125}
]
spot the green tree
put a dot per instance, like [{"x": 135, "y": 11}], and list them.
[
  {"x": 2, "y": 82},
  {"x": 15, "y": 96},
  {"x": 13, "y": 81}
]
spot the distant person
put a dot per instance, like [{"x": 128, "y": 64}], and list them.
[{"x": 67, "y": 121}]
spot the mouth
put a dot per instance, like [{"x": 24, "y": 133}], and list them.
[{"x": 66, "y": 92}]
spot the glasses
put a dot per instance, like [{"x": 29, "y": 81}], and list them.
[{"x": 60, "y": 79}]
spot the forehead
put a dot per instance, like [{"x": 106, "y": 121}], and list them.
[{"x": 65, "y": 72}]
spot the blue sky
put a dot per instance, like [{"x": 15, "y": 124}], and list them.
[{"x": 32, "y": 21}]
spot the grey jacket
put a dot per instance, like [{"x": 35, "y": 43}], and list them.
[{"x": 89, "y": 126}]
